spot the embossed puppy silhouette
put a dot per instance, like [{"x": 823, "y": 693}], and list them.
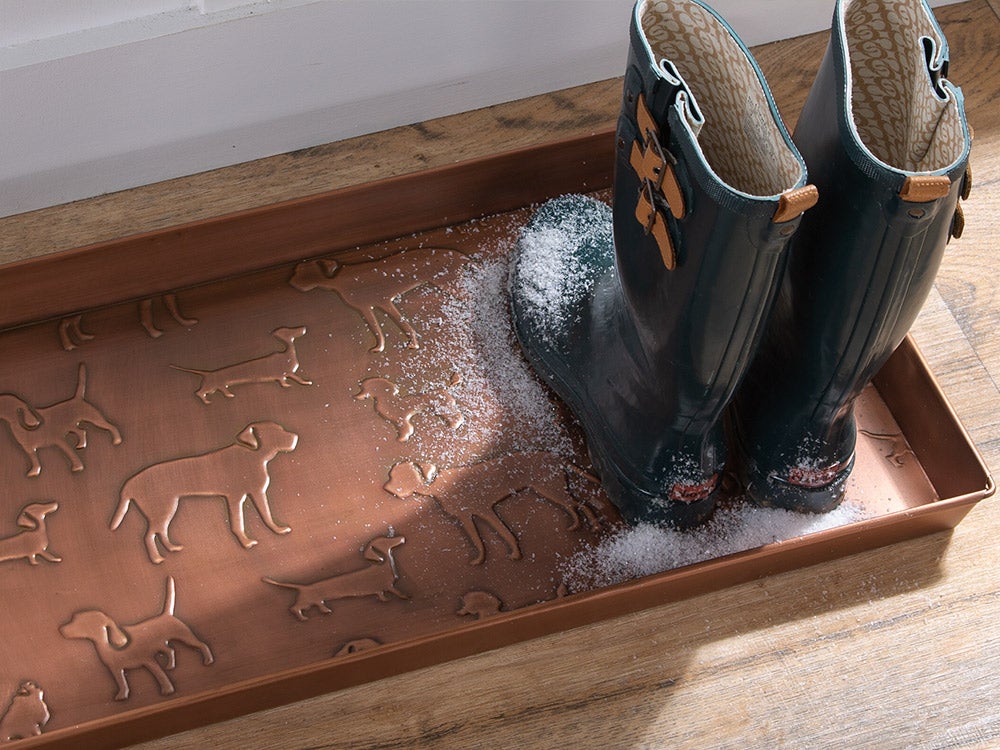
[
  {"x": 55, "y": 423},
  {"x": 26, "y": 714},
  {"x": 470, "y": 492},
  {"x": 278, "y": 367},
  {"x": 378, "y": 284},
  {"x": 33, "y": 541},
  {"x": 377, "y": 579},
  {"x": 400, "y": 410},
  {"x": 124, "y": 647},
  {"x": 236, "y": 473}
]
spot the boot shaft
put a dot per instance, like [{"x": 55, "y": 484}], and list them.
[
  {"x": 889, "y": 154},
  {"x": 681, "y": 271},
  {"x": 708, "y": 190},
  {"x": 885, "y": 138}
]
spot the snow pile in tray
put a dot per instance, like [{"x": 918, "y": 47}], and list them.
[
  {"x": 647, "y": 549},
  {"x": 504, "y": 404},
  {"x": 495, "y": 367}
]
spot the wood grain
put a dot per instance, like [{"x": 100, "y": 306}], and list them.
[{"x": 894, "y": 648}]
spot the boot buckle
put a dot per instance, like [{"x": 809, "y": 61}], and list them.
[
  {"x": 654, "y": 223},
  {"x": 649, "y": 161},
  {"x": 653, "y": 163},
  {"x": 654, "y": 166}
]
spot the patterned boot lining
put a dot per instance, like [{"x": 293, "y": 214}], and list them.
[
  {"x": 899, "y": 115},
  {"x": 740, "y": 138}
]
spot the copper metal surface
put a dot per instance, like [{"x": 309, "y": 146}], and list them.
[{"x": 238, "y": 494}]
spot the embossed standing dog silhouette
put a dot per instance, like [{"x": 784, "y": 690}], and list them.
[
  {"x": 377, "y": 579},
  {"x": 236, "y": 473},
  {"x": 379, "y": 284},
  {"x": 32, "y": 541},
  {"x": 137, "y": 646},
  {"x": 399, "y": 410},
  {"x": 281, "y": 367},
  {"x": 14, "y": 410},
  {"x": 58, "y": 421},
  {"x": 72, "y": 335},
  {"x": 470, "y": 492},
  {"x": 26, "y": 714}
]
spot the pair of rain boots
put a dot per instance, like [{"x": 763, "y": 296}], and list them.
[{"x": 745, "y": 285}]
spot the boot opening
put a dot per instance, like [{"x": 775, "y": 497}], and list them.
[
  {"x": 741, "y": 138},
  {"x": 902, "y": 113}
]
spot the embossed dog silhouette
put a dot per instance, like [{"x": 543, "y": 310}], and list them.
[
  {"x": 33, "y": 541},
  {"x": 56, "y": 422},
  {"x": 400, "y": 410},
  {"x": 72, "y": 335},
  {"x": 279, "y": 367},
  {"x": 470, "y": 492},
  {"x": 26, "y": 714},
  {"x": 236, "y": 473},
  {"x": 16, "y": 410},
  {"x": 378, "y": 284},
  {"x": 378, "y": 579},
  {"x": 137, "y": 646}
]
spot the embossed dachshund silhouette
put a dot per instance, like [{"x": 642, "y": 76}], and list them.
[
  {"x": 279, "y": 367},
  {"x": 33, "y": 541},
  {"x": 72, "y": 335},
  {"x": 378, "y": 284},
  {"x": 236, "y": 473},
  {"x": 469, "y": 492},
  {"x": 26, "y": 714},
  {"x": 56, "y": 422},
  {"x": 137, "y": 646},
  {"x": 400, "y": 410},
  {"x": 378, "y": 579}
]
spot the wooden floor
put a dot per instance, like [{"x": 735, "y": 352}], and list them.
[{"x": 895, "y": 648}]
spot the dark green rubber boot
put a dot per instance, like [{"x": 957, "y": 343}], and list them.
[
  {"x": 643, "y": 318},
  {"x": 885, "y": 137}
]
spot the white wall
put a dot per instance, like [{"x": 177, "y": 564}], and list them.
[{"x": 104, "y": 95}]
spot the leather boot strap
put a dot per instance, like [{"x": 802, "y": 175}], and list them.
[{"x": 655, "y": 167}]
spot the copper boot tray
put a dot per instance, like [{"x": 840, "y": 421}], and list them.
[{"x": 305, "y": 453}]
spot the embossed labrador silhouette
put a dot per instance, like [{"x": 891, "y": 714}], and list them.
[
  {"x": 32, "y": 541},
  {"x": 378, "y": 284},
  {"x": 377, "y": 579},
  {"x": 236, "y": 473},
  {"x": 49, "y": 426},
  {"x": 470, "y": 492},
  {"x": 137, "y": 646},
  {"x": 281, "y": 367}
]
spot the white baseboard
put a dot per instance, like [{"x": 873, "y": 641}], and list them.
[{"x": 130, "y": 103}]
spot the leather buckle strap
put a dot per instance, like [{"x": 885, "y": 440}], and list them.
[
  {"x": 655, "y": 167},
  {"x": 649, "y": 161},
  {"x": 655, "y": 223}
]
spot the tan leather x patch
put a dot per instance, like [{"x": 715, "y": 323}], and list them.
[{"x": 655, "y": 167}]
